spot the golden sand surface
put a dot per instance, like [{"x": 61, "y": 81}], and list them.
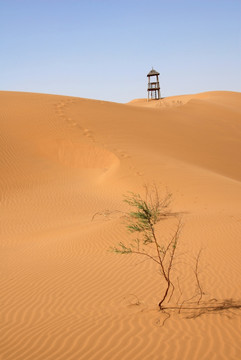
[{"x": 65, "y": 164}]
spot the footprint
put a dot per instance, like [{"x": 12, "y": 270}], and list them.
[
  {"x": 86, "y": 132},
  {"x": 124, "y": 156}
]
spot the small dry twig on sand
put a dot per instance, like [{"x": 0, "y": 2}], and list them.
[
  {"x": 105, "y": 213},
  {"x": 136, "y": 301}
]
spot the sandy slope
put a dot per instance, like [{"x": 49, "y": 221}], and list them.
[{"x": 64, "y": 159}]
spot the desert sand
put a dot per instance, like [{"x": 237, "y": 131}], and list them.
[{"x": 65, "y": 164}]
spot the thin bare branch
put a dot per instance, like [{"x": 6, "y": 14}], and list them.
[
  {"x": 180, "y": 290},
  {"x": 173, "y": 289},
  {"x": 145, "y": 254},
  {"x": 197, "y": 276}
]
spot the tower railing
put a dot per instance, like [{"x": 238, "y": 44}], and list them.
[{"x": 153, "y": 86}]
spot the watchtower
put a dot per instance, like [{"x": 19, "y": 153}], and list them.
[{"x": 153, "y": 88}]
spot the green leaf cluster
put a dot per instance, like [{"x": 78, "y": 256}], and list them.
[
  {"x": 121, "y": 249},
  {"x": 147, "y": 212}
]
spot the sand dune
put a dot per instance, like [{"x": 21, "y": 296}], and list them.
[{"x": 65, "y": 164}]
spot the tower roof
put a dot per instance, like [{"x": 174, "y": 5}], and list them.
[{"x": 153, "y": 72}]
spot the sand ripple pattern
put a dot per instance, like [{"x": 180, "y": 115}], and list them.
[{"x": 64, "y": 159}]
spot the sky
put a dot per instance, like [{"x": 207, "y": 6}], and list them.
[{"x": 103, "y": 49}]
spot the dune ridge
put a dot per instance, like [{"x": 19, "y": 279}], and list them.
[{"x": 65, "y": 164}]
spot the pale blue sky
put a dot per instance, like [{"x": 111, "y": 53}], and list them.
[{"x": 103, "y": 49}]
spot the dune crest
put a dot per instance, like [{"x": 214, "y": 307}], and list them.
[{"x": 222, "y": 98}]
